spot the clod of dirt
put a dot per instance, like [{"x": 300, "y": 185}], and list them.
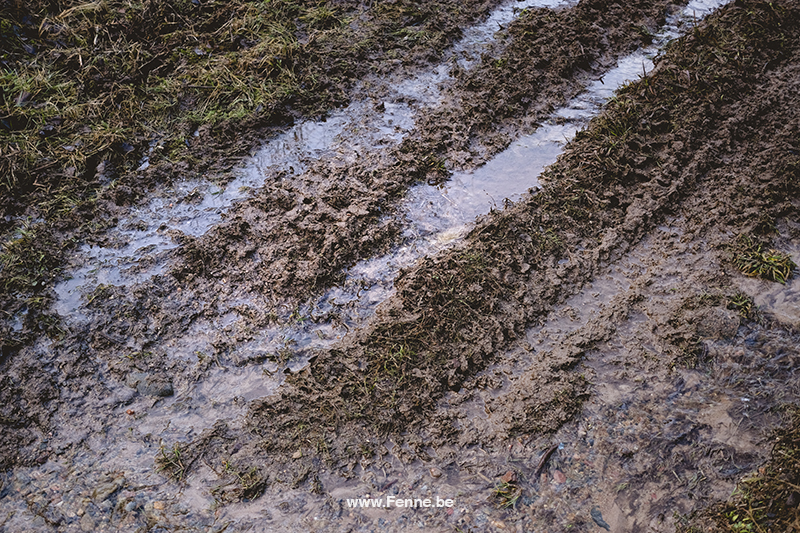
[{"x": 147, "y": 384}]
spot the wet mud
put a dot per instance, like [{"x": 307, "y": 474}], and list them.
[
  {"x": 587, "y": 357},
  {"x": 306, "y": 229}
]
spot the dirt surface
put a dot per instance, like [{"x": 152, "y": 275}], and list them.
[
  {"x": 590, "y": 356},
  {"x": 306, "y": 229},
  {"x": 67, "y": 179}
]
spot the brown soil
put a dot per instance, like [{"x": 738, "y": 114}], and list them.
[
  {"x": 603, "y": 313},
  {"x": 305, "y": 230},
  {"x": 704, "y": 145},
  {"x": 453, "y": 313}
]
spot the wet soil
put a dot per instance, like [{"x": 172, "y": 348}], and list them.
[
  {"x": 306, "y": 229},
  {"x": 105, "y": 102},
  {"x": 588, "y": 355}
]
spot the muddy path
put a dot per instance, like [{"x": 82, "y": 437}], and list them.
[
  {"x": 306, "y": 229},
  {"x": 645, "y": 172},
  {"x": 104, "y": 104},
  {"x": 590, "y": 355}
]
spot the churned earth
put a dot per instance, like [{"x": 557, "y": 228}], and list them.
[{"x": 590, "y": 356}]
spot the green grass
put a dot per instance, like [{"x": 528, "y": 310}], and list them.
[
  {"x": 507, "y": 493},
  {"x": 754, "y": 260},
  {"x": 171, "y": 461},
  {"x": 27, "y": 262}
]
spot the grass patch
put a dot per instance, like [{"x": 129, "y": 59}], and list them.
[
  {"x": 27, "y": 261},
  {"x": 507, "y": 493},
  {"x": 754, "y": 260},
  {"x": 171, "y": 461},
  {"x": 744, "y": 305},
  {"x": 242, "y": 484}
]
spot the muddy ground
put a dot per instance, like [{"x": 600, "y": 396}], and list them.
[{"x": 590, "y": 355}]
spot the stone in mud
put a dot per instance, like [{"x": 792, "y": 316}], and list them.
[
  {"x": 509, "y": 477},
  {"x": 105, "y": 490},
  {"x": 150, "y": 385},
  {"x": 87, "y": 523},
  {"x": 597, "y": 516},
  {"x": 717, "y": 323}
]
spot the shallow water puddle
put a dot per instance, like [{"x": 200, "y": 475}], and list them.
[{"x": 650, "y": 443}]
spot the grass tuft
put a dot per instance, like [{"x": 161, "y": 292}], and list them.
[
  {"x": 770, "y": 500},
  {"x": 507, "y": 493},
  {"x": 171, "y": 461},
  {"x": 755, "y": 261}
]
